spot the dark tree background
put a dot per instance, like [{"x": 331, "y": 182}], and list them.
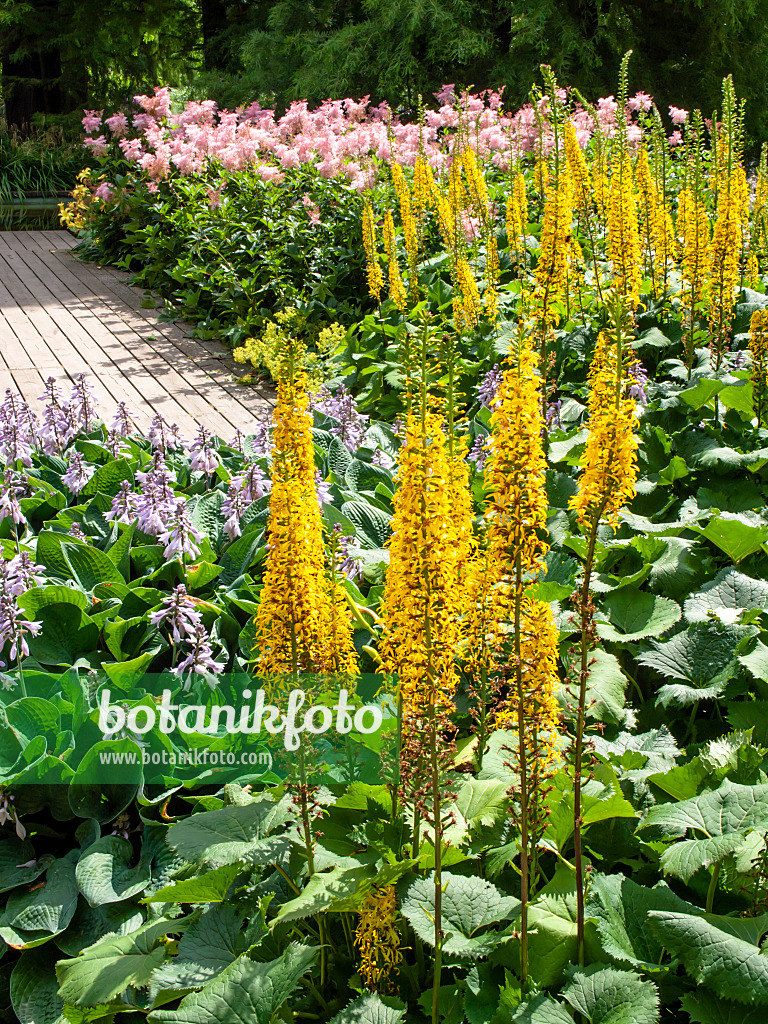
[{"x": 60, "y": 56}]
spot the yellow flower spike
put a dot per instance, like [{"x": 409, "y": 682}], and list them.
[
  {"x": 420, "y": 606},
  {"x": 396, "y": 287},
  {"x": 552, "y": 268},
  {"x": 724, "y": 258},
  {"x": 373, "y": 269},
  {"x": 578, "y": 167},
  {"x": 470, "y": 296},
  {"x": 609, "y": 461},
  {"x": 377, "y": 938},
  {"x": 758, "y": 347},
  {"x": 302, "y": 623},
  {"x": 623, "y": 235}
]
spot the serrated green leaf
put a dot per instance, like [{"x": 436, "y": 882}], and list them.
[
  {"x": 234, "y": 834},
  {"x": 619, "y": 907},
  {"x": 729, "y": 965},
  {"x": 702, "y": 656},
  {"x": 469, "y": 905},
  {"x": 735, "y": 534},
  {"x": 723, "y": 818},
  {"x": 541, "y": 1010},
  {"x": 636, "y": 614},
  {"x": 604, "y": 995},
  {"x": 108, "y": 968},
  {"x": 209, "y": 945},
  {"x": 245, "y": 993},
  {"x": 369, "y": 1009},
  {"x": 211, "y": 887},
  {"x": 705, "y": 1007},
  {"x": 726, "y": 597}
]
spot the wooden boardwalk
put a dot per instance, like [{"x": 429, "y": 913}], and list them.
[{"x": 60, "y": 316}]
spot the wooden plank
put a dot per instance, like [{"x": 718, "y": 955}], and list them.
[{"x": 29, "y": 383}]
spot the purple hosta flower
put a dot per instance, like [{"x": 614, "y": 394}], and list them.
[
  {"x": 480, "y": 451},
  {"x": 123, "y": 421},
  {"x": 237, "y": 441},
  {"x": 737, "y": 360},
  {"x": 82, "y": 404},
  {"x": 640, "y": 377},
  {"x": 261, "y": 442},
  {"x": 23, "y": 573},
  {"x": 8, "y": 813},
  {"x": 322, "y": 489},
  {"x": 346, "y": 564},
  {"x": 10, "y": 492},
  {"x": 180, "y": 538},
  {"x": 124, "y": 505},
  {"x": 553, "y": 415},
  {"x": 163, "y": 435},
  {"x": 380, "y": 458},
  {"x": 76, "y": 531},
  {"x": 13, "y": 628},
  {"x": 19, "y": 429},
  {"x": 78, "y": 474},
  {"x": 205, "y": 458},
  {"x": 342, "y": 407},
  {"x": 244, "y": 488},
  {"x": 157, "y": 502},
  {"x": 57, "y": 428},
  {"x": 489, "y": 386},
  {"x": 176, "y": 613},
  {"x": 114, "y": 444},
  {"x": 199, "y": 661}
]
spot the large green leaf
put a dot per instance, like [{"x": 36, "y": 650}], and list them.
[
  {"x": 104, "y": 875},
  {"x": 92, "y": 923},
  {"x": 33, "y": 917},
  {"x": 730, "y": 965},
  {"x": 369, "y": 1009},
  {"x": 89, "y": 566},
  {"x": 722, "y": 818},
  {"x": 108, "y": 968},
  {"x": 469, "y": 906},
  {"x": 727, "y": 596},
  {"x": 245, "y": 993},
  {"x": 67, "y": 632},
  {"x": 636, "y": 614},
  {"x": 34, "y": 990},
  {"x": 234, "y": 834},
  {"x": 619, "y": 907},
  {"x": 706, "y": 1008},
  {"x": 210, "y": 945},
  {"x": 371, "y": 523},
  {"x": 736, "y": 534},
  {"x": 18, "y": 864},
  {"x": 541, "y": 1010},
  {"x": 702, "y": 657},
  {"x": 211, "y": 887},
  {"x": 322, "y": 891},
  {"x": 604, "y": 995}
]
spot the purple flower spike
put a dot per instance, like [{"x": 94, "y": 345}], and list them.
[
  {"x": 180, "y": 537},
  {"x": 78, "y": 474},
  {"x": 489, "y": 386}
]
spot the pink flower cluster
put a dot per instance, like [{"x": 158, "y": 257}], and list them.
[{"x": 340, "y": 138}]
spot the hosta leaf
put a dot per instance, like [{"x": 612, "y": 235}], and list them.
[
  {"x": 245, "y": 993},
  {"x": 108, "y": 478},
  {"x": 105, "y": 970},
  {"x": 104, "y": 875},
  {"x": 723, "y": 818},
  {"x": 34, "y": 989},
  {"x": 635, "y": 614},
  {"x": 731, "y": 966},
  {"x": 371, "y": 523},
  {"x": 726, "y": 596},
  {"x": 35, "y": 916},
  {"x": 468, "y": 906},
  {"x": 18, "y": 865},
  {"x": 67, "y": 632},
  {"x": 369, "y": 1009},
  {"x": 92, "y": 923},
  {"x": 604, "y": 995},
  {"x": 234, "y": 834},
  {"x": 619, "y": 907},
  {"x": 89, "y": 566}
]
